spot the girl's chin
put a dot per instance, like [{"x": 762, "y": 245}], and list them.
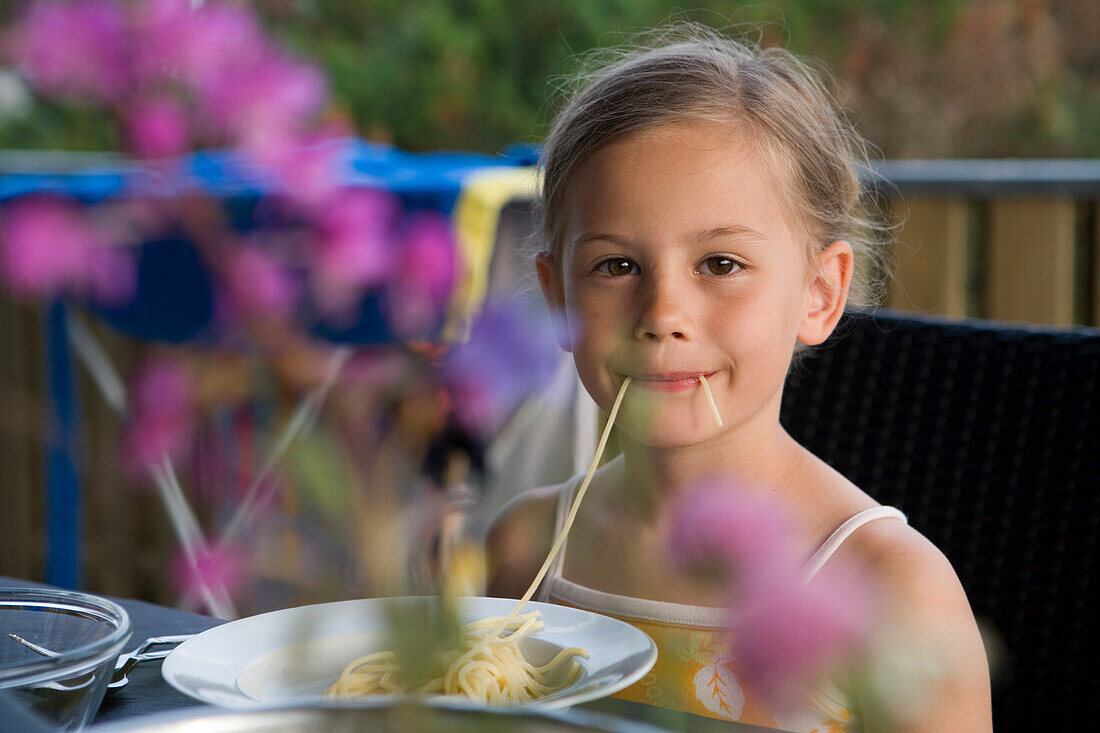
[{"x": 658, "y": 424}]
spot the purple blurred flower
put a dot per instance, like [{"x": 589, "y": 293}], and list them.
[
  {"x": 247, "y": 92},
  {"x": 111, "y": 275},
  {"x": 161, "y": 414},
  {"x": 264, "y": 105},
  {"x": 75, "y": 48},
  {"x": 156, "y": 128},
  {"x": 422, "y": 276},
  {"x": 508, "y": 357},
  {"x": 354, "y": 246},
  {"x": 379, "y": 367},
  {"x": 720, "y": 522},
  {"x": 790, "y": 632},
  {"x": 196, "y": 45},
  {"x": 305, "y": 168},
  {"x": 793, "y": 634},
  {"x": 49, "y": 247},
  {"x": 216, "y": 567},
  {"x": 260, "y": 284}
]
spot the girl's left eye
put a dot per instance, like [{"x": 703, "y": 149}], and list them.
[
  {"x": 721, "y": 265},
  {"x": 617, "y": 267}
]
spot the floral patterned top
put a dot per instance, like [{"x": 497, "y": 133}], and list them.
[{"x": 695, "y": 671}]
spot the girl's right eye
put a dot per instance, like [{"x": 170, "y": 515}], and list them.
[{"x": 617, "y": 266}]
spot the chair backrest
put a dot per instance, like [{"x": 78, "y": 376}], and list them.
[{"x": 988, "y": 437}]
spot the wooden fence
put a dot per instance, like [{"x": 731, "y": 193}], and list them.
[
  {"x": 126, "y": 538},
  {"x": 1015, "y": 241},
  {"x": 1006, "y": 240}
]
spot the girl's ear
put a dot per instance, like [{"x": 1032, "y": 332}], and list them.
[
  {"x": 553, "y": 290},
  {"x": 827, "y": 293}
]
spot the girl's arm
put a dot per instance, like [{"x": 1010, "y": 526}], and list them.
[
  {"x": 518, "y": 540},
  {"x": 934, "y": 629}
]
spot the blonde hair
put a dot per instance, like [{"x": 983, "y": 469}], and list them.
[{"x": 691, "y": 72}]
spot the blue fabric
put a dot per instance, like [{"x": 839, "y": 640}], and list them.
[
  {"x": 64, "y": 533},
  {"x": 175, "y": 297},
  {"x": 89, "y": 186},
  {"x": 174, "y": 301},
  {"x": 434, "y": 178}
]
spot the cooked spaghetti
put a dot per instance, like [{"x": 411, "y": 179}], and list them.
[
  {"x": 710, "y": 399},
  {"x": 497, "y": 673},
  {"x": 487, "y": 667}
]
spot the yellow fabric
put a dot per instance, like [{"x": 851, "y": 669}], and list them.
[
  {"x": 696, "y": 673},
  {"x": 476, "y": 219}
]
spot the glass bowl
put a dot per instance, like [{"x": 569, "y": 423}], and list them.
[{"x": 85, "y": 632}]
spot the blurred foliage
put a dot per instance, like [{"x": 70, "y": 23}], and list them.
[{"x": 925, "y": 78}]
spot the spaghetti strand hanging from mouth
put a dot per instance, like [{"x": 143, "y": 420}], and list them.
[
  {"x": 710, "y": 399},
  {"x": 487, "y": 667}
]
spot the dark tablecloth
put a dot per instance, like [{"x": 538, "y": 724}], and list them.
[{"x": 148, "y": 693}]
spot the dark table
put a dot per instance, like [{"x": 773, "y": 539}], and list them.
[{"x": 147, "y": 693}]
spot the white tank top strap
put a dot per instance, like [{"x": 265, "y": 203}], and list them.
[{"x": 843, "y": 532}]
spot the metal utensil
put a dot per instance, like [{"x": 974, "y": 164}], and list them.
[
  {"x": 125, "y": 662},
  {"x": 77, "y": 683},
  {"x": 34, "y": 647}
]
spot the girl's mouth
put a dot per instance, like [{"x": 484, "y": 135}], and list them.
[{"x": 670, "y": 381}]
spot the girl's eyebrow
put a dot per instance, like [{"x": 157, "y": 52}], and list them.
[
  {"x": 735, "y": 231},
  {"x": 589, "y": 237}
]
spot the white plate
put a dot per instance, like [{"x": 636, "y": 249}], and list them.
[{"x": 294, "y": 655}]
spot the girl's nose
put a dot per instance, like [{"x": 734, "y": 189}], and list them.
[{"x": 664, "y": 313}]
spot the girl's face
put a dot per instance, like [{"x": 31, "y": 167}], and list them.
[{"x": 678, "y": 261}]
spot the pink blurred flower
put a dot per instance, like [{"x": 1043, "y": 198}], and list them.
[
  {"x": 422, "y": 277},
  {"x": 792, "y": 634},
  {"x": 262, "y": 106},
  {"x": 247, "y": 92},
  {"x": 215, "y": 567},
  {"x": 789, "y": 633},
  {"x": 354, "y": 246},
  {"x": 305, "y": 167},
  {"x": 719, "y": 521},
  {"x": 156, "y": 128},
  {"x": 507, "y": 358},
  {"x": 111, "y": 275},
  {"x": 75, "y": 48},
  {"x": 260, "y": 284},
  {"x": 380, "y": 367},
  {"x": 161, "y": 414},
  {"x": 195, "y": 45},
  {"x": 50, "y": 247}
]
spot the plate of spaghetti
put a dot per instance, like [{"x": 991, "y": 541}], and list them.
[
  {"x": 507, "y": 653},
  {"x": 541, "y": 654}
]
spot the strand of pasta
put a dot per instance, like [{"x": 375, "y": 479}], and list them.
[
  {"x": 556, "y": 547},
  {"x": 710, "y": 398},
  {"x": 522, "y": 680}
]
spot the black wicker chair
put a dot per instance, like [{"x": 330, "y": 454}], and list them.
[{"x": 988, "y": 437}]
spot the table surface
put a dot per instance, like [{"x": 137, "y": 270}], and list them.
[{"x": 147, "y": 693}]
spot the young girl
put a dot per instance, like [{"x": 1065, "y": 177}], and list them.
[{"x": 701, "y": 212}]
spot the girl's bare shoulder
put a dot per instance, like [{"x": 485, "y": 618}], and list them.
[
  {"x": 904, "y": 563},
  {"x": 912, "y": 571},
  {"x": 924, "y": 600},
  {"x": 519, "y": 539}
]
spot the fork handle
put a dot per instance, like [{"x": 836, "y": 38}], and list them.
[
  {"x": 142, "y": 653},
  {"x": 157, "y": 640}
]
